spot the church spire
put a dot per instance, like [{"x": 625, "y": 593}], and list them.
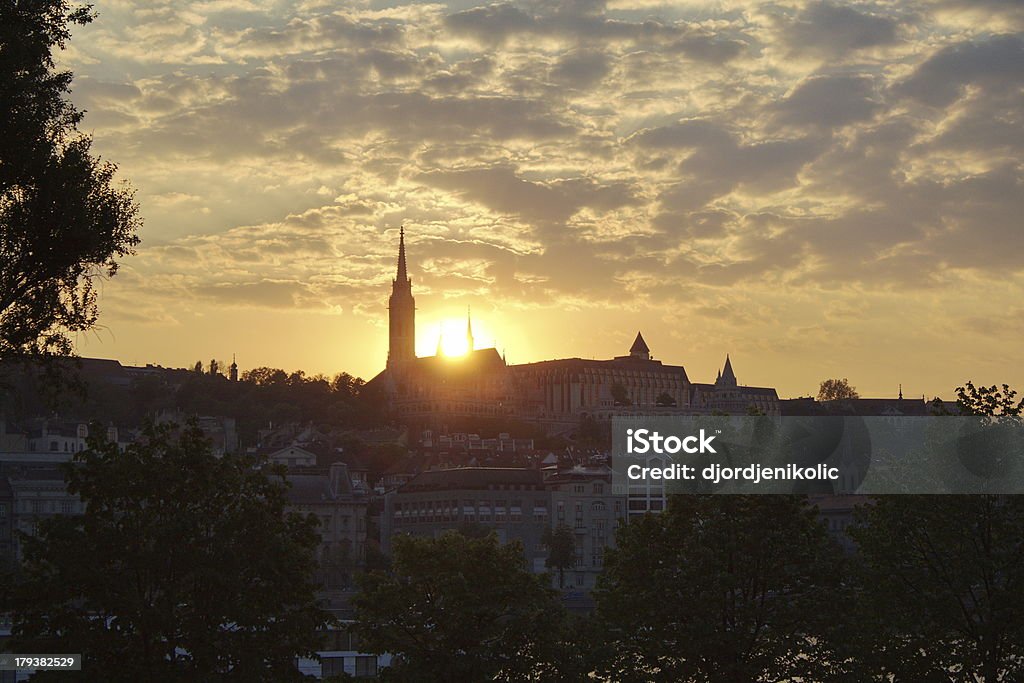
[
  {"x": 402, "y": 272},
  {"x": 728, "y": 377},
  {"x": 401, "y": 313},
  {"x": 469, "y": 330}
]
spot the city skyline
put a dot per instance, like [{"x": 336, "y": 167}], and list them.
[{"x": 817, "y": 189}]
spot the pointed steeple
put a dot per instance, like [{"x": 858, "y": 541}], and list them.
[
  {"x": 728, "y": 377},
  {"x": 639, "y": 348},
  {"x": 901, "y": 391},
  {"x": 469, "y": 330},
  {"x": 401, "y": 313},
  {"x": 402, "y": 271}
]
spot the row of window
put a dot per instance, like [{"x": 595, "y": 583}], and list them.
[{"x": 43, "y": 507}]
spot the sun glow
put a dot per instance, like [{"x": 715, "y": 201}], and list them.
[{"x": 450, "y": 339}]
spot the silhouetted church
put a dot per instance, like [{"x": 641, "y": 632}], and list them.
[{"x": 432, "y": 391}]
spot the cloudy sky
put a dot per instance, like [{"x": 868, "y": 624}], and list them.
[{"x": 817, "y": 189}]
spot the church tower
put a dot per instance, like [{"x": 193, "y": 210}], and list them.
[{"x": 401, "y": 313}]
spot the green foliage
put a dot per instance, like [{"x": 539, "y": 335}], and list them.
[
  {"x": 456, "y": 608},
  {"x": 63, "y": 222},
  {"x": 183, "y": 567},
  {"x": 720, "y": 588},
  {"x": 941, "y": 588},
  {"x": 561, "y": 545},
  {"x": 837, "y": 390},
  {"x": 941, "y": 578}
]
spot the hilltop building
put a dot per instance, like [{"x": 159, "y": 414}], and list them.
[{"x": 432, "y": 392}]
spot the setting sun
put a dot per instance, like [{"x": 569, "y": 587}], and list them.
[{"x": 451, "y": 337}]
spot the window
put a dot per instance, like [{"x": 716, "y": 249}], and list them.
[
  {"x": 67, "y": 507},
  {"x": 598, "y": 488},
  {"x": 366, "y": 666},
  {"x": 332, "y": 666},
  {"x": 579, "y": 488},
  {"x": 540, "y": 511}
]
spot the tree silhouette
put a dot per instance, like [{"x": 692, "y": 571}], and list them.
[
  {"x": 561, "y": 545},
  {"x": 63, "y": 221},
  {"x": 941, "y": 577},
  {"x": 720, "y": 589},
  {"x": 183, "y": 567},
  {"x": 456, "y": 608},
  {"x": 837, "y": 390}
]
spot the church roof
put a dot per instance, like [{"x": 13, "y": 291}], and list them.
[{"x": 639, "y": 345}]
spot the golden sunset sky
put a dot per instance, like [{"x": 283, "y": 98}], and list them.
[{"x": 817, "y": 189}]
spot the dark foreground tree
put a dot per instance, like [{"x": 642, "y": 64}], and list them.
[
  {"x": 184, "y": 567},
  {"x": 63, "y": 219},
  {"x": 456, "y": 608},
  {"x": 561, "y": 544},
  {"x": 942, "y": 577},
  {"x": 722, "y": 589},
  {"x": 942, "y": 588}
]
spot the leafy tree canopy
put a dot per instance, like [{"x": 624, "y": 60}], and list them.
[
  {"x": 458, "y": 608},
  {"x": 63, "y": 220},
  {"x": 720, "y": 588},
  {"x": 942, "y": 578},
  {"x": 183, "y": 567},
  {"x": 837, "y": 390}
]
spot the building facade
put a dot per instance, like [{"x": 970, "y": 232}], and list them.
[
  {"x": 433, "y": 392},
  {"x": 516, "y": 504}
]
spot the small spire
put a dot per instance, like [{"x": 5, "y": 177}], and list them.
[
  {"x": 728, "y": 377},
  {"x": 901, "y": 391},
  {"x": 469, "y": 330},
  {"x": 402, "y": 271},
  {"x": 639, "y": 349}
]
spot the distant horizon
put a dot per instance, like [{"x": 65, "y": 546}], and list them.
[{"x": 700, "y": 380}]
